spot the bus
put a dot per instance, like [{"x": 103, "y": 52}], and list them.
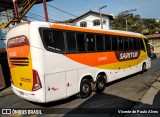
[{"x": 51, "y": 61}]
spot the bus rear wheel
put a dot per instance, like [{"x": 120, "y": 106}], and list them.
[
  {"x": 100, "y": 84},
  {"x": 85, "y": 88}
]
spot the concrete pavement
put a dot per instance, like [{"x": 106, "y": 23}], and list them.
[
  {"x": 148, "y": 98},
  {"x": 6, "y": 91},
  {"x": 149, "y": 103}
]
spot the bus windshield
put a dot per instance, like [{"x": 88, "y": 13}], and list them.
[{"x": 148, "y": 47}]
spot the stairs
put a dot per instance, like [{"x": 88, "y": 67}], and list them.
[{"x": 23, "y": 8}]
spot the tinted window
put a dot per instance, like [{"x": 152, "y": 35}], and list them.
[
  {"x": 90, "y": 42},
  {"x": 130, "y": 43},
  {"x": 138, "y": 44},
  {"x": 126, "y": 43},
  {"x": 80, "y": 42},
  {"x": 120, "y": 43},
  {"x": 99, "y": 43},
  {"x": 135, "y": 44},
  {"x": 108, "y": 43},
  {"x": 142, "y": 44},
  {"x": 71, "y": 42},
  {"x": 114, "y": 43},
  {"x": 53, "y": 40}
]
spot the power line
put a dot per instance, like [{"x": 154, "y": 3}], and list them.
[
  {"x": 39, "y": 16},
  {"x": 62, "y": 10},
  {"x": 66, "y": 12},
  {"x": 49, "y": 14},
  {"x": 35, "y": 18}
]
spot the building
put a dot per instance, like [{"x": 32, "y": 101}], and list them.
[
  {"x": 92, "y": 19},
  {"x": 4, "y": 68},
  {"x": 155, "y": 41}
]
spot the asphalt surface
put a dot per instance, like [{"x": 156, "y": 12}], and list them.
[{"x": 125, "y": 93}]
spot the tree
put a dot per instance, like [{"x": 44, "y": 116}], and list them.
[{"x": 134, "y": 23}]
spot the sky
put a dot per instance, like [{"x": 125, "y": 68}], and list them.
[{"x": 144, "y": 8}]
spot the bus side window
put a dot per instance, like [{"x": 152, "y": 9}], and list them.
[
  {"x": 126, "y": 43},
  {"x": 114, "y": 43},
  {"x": 90, "y": 39},
  {"x": 71, "y": 42},
  {"x": 48, "y": 37},
  {"x": 99, "y": 43},
  {"x": 54, "y": 40},
  {"x": 80, "y": 42},
  {"x": 120, "y": 43},
  {"x": 138, "y": 44},
  {"x": 142, "y": 45},
  {"x": 130, "y": 43},
  {"x": 135, "y": 44},
  {"x": 108, "y": 44}
]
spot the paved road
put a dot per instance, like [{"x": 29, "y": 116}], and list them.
[{"x": 124, "y": 93}]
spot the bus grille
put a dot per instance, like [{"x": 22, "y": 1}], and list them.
[{"x": 21, "y": 61}]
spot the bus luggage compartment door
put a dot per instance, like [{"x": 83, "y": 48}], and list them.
[{"x": 55, "y": 86}]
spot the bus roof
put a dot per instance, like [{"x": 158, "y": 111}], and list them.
[{"x": 82, "y": 29}]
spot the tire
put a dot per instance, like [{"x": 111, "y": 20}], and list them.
[
  {"x": 85, "y": 88},
  {"x": 143, "y": 68},
  {"x": 100, "y": 84}
]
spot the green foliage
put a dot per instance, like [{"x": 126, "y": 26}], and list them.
[{"x": 135, "y": 23}]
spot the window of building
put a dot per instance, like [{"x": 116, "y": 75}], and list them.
[
  {"x": 96, "y": 22},
  {"x": 80, "y": 42},
  {"x": 83, "y": 24},
  {"x": 90, "y": 39},
  {"x": 104, "y": 21},
  {"x": 99, "y": 43},
  {"x": 71, "y": 42}
]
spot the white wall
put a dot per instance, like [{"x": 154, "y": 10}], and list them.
[{"x": 89, "y": 19}]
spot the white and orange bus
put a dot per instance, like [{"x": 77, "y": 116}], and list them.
[{"x": 49, "y": 61}]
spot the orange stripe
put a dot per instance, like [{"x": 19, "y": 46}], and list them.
[
  {"x": 94, "y": 59},
  {"x": 71, "y": 28}
]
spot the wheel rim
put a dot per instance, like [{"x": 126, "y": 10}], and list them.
[
  {"x": 85, "y": 88},
  {"x": 101, "y": 84}
]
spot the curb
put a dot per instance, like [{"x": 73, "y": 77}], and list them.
[{"x": 148, "y": 98}]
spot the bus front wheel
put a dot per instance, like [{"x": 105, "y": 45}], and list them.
[
  {"x": 143, "y": 68},
  {"x": 85, "y": 88}
]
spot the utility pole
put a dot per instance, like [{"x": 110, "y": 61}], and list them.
[
  {"x": 101, "y": 15},
  {"x": 16, "y": 10},
  {"x": 45, "y": 10},
  {"x": 125, "y": 13}
]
